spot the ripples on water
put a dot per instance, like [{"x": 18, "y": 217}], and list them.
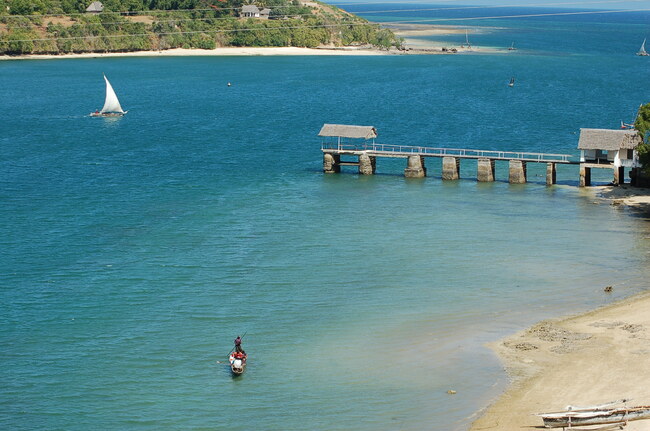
[{"x": 134, "y": 250}]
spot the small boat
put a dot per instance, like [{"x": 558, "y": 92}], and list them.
[
  {"x": 512, "y": 47},
  {"x": 642, "y": 52},
  {"x": 597, "y": 415},
  {"x": 237, "y": 362},
  {"x": 512, "y": 82},
  {"x": 112, "y": 106}
]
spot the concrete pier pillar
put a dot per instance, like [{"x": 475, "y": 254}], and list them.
[
  {"x": 367, "y": 164},
  {"x": 551, "y": 174},
  {"x": 517, "y": 172},
  {"x": 415, "y": 167},
  {"x": 450, "y": 168},
  {"x": 585, "y": 176},
  {"x": 485, "y": 170},
  {"x": 619, "y": 175},
  {"x": 331, "y": 163}
]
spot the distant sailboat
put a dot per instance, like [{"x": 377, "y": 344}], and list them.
[
  {"x": 512, "y": 47},
  {"x": 112, "y": 106},
  {"x": 512, "y": 82},
  {"x": 642, "y": 52},
  {"x": 467, "y": 40}
]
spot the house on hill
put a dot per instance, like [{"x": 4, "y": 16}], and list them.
[
  {"x": 250, "y": 11},
  {"x": 95, "y": 7},
  {"x": 608, "y": 149}
]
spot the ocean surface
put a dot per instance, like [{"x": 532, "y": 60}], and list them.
[{"x": 134, "y": 250}]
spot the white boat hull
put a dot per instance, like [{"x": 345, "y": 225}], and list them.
[{"x": 595, "y": 417}]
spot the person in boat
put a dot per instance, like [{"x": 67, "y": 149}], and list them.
[{"x": 238, "y": 348}]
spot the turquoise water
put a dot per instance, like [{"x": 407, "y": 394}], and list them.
[{"x": 135, "y": 249}]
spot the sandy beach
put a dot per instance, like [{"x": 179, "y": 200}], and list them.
[
  {"x": 589, "y": 359},
  {"x": 411, "y": 33},
  {"x": 229, "y": 51}
]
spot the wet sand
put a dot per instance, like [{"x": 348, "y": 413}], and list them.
[{"x": 589, "y": 359}]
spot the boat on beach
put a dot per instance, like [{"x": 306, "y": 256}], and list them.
[
  {"x": 597, "y": 415},
  {"x": 642, "y": 52},
  {"x": 112, "y": 107},
  {"x": 237, "y": 362}
]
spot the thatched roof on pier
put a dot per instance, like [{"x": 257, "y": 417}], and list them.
[
  {"x": 608, "y": 139},
  {"x": 345, "y": 131}
]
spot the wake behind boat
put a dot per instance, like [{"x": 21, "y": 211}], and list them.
[{"x": 112, "y": 106}]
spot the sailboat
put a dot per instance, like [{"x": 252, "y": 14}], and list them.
[
  {"x": 112, "y": 106},
  {"x": 512, "y": 47},
  {"x": 642, "y": 52},
  {"x": 469, "y": 47},
  {"x": 512, "y": 82}
]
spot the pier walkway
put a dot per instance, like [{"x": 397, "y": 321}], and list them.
[{"x": 366, "y": 154}]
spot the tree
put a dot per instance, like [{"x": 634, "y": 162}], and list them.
[{"x": 642, "y": 125}]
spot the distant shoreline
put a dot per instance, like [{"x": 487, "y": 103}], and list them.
[
  {"x": 411, "y": 34},
  {"x": 228, "y": 51},
  {"x": 248, "y": 51}
]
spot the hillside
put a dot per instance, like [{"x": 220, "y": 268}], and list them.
[{"x": 61, "y": 27}]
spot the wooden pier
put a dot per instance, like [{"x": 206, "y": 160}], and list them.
[
  {"x": 599, "y": 149},
  {"x": 365, "y": 156}
]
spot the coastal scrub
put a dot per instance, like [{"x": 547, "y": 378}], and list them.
[{"x": 62, "y": 27}]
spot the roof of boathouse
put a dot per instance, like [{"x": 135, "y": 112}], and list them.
[
  {"x": 347, "y": 131},
  {"x": 608, "y": 139}
]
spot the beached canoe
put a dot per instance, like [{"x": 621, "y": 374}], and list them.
[{"x": 571, "y": 418}]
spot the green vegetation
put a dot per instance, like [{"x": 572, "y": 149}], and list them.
[
  {"x": 642, "y": 124},
  {"x": 63, "y": 26}
]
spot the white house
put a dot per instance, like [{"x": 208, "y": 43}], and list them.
[
  {"x": 95, "y": 7},
  {"x": 250, "y": 11},
  {"x": 608, "y": 149}
]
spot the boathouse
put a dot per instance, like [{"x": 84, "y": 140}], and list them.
[
  {"x": 347, "y": 136},
  {"x": 608, "y": 149},
  {"x": 95, "y": 7}
]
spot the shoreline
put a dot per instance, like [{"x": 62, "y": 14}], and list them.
[
  {"x": 255, "y": 51},
  {"x": 227, "y": 51},
  {"x": 590, "y": 358},
  {"x": 411, "y": 33}
]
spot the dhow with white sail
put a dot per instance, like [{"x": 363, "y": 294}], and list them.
[
  {"x": 642, "y": 52},
  {"x": 112, "y": 106}
]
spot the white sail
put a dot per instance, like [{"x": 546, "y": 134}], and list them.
[
  {"x": 642, "y": 46},
  {"x": 111, "y": 104}
]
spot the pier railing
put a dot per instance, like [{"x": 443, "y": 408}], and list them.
[{"x": 407, "y": 150}]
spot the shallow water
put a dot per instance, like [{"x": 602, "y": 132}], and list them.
[{"x": 134, "y": 250}]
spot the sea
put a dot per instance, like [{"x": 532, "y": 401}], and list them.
[{"x": 134, "y": 250}]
